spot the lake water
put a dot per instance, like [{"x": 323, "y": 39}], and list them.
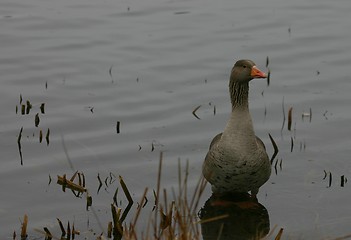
[{"x": 148, "y": 65}]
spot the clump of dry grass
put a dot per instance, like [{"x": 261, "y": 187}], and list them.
[
  {"x": 176, "y": 219},
  {"x": 169, "y": 219}
]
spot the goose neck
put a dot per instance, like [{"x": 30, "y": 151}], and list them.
[{"x": 239, "y": 93}]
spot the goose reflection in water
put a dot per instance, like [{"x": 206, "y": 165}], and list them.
[{"x": 233, "y": 216}]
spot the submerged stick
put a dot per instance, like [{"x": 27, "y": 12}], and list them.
[
  {"x": 40, "y": 136},
  {"x": 63, "y": 231},
  {"x": 100, "y": 183},
  {"x": 194, "y": 112},
  {"x": 290, "y": 118},
  {"x": 19, "y": 145},
  {"x": 110, "y": 73},
  {"x": 117, "y": 126},
  {"x": 29, "y": 107},
  {"x": 269, "y": 71},
  {"x": 275, "y": 167},
  {"x": 23, "y": 109},
  {"x": 275, "y": 147},
  {"x": 89, "y": 202},
  {"x": 47, "y": 137},
  {"x": 310, "y": 114},
  {"x": 280, "y": 164},
  {"x": 342, "y": 181},
  {"x": 68, "y": 237},
  {"x": 42, "y": 108},
  {"x": 325, "y": 174},
  {"x": 37, "y": 120},
  {"x": 48, "y": 233},
  {"x": 283, "y": 108},
  {"x": 115, "y": 197}
]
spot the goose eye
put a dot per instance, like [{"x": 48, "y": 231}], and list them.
[{"x": 244, "y": 66}]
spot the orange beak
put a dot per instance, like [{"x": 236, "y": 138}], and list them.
[{"x": 257, "y": 73}]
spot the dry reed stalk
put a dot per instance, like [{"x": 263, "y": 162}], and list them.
[
  {"x": 279, "y": 235},
  {"x": 117, "y": 224},
  {"x": 125, "y": 190},
  {"x": 139, "y": 208},
  {"x": 24, "y": 227}
]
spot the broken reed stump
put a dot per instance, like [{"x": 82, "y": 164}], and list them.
[
  {"x": 66, "y": 183},
  {"x": 24, "y": 227},
  {"x": 115, "y": 228}
]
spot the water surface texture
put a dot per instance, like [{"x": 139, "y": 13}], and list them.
[{"x": 148, "y": 65}]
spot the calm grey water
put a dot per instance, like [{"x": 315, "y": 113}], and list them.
[{"x": 148, "y": 64}]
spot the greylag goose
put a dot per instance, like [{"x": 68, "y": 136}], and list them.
[{"x": 237, "y": 160}]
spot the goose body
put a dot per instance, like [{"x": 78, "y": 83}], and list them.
[{"x": 237, "y": 160}]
